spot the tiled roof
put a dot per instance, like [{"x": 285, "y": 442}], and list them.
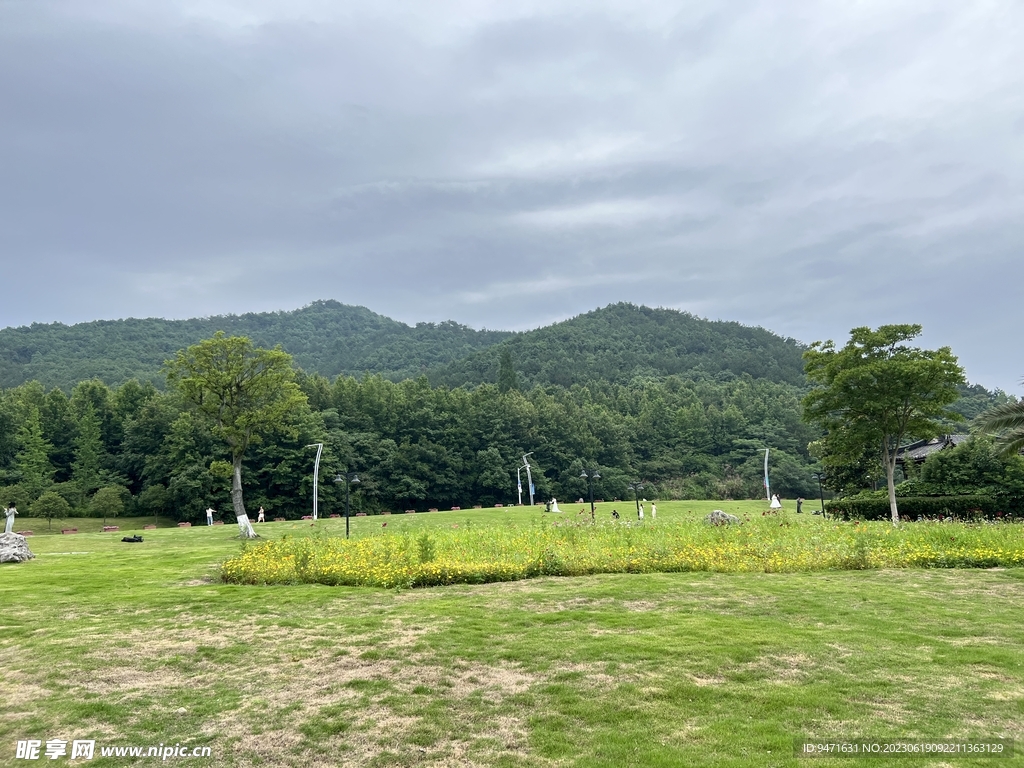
[{"x": 922, "y": 449}]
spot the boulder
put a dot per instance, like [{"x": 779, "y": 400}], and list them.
[
  {"x": 718, "y": 517},
  {"x": 14, "y": 548}
]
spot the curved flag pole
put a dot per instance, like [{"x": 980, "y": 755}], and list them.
[{"x": 767, "y": 487}]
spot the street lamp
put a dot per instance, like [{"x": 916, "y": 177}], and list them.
[
  {"x": 821, "y": 493},
  {"x": 347, "y": 478},
  {"x": 591, "y": 475},
  {"x": 316, "y": 473},
  {"x": 636, "y": 487},
  {"x": 529, "y": 479}
]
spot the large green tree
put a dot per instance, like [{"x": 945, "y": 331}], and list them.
[
  {"x": 243, "y": 391},
  {"x": 877, "y": 391}
]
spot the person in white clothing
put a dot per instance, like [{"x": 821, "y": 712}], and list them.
[
  {"x": 654, "y": 511},
  {"x": 640, "y": 512}
]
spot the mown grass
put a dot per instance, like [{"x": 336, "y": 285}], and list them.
[
  {"x": 109, "y": 640},
  {"x": 42, "y": 527}
]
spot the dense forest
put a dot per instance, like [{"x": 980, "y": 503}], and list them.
[{"x": 684, "y": 405}]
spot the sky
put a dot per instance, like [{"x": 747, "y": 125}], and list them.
[{"x": 805, "y": 167}]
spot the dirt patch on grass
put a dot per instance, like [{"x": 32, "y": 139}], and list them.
[
  {"x": 640, "y": 605},
  {"x": 299, "y": 693},
  {"x": 704, "y": 681},
  {"x": 128, "y": 681},
  {"x": 573, "y": 604},
  {"x": 18, "y": 698},
  {"x": 786, "y": 668}
]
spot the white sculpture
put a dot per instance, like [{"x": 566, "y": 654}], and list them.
[{"x": 10, "y": 512}]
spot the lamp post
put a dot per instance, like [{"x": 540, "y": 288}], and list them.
[
  {"x": 316, "y": 473},
  {"x": 347, "y": 478},
  {"x": 591, "y": 475},
  {"x": 529, "y": 478},
  {"x": 821, "y": 493},
  {"x": 636, "y": 487}
]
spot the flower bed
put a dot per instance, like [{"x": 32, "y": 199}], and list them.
[{"x": 511, "y": 552}]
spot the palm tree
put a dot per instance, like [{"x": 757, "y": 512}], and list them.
[{"x": 1008, "y": 420}]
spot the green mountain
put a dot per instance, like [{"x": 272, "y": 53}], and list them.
[
  {"x": 617, "y": 344},
  {"x": 326, "y": 336},
  {"x": 622, "y": 342}
]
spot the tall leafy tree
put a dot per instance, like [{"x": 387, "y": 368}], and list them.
[
  {"x": 507, "y": 379},
  {"x": 32, "y": 460},
  {"x": 877, "y": 391},
  {"x": 58, "y": 423},
  {"x": 243, "y": 391},
  {"x": 86, "y": 468}
]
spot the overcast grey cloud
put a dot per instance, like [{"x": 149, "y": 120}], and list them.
[{"x": 805, "y": 167}]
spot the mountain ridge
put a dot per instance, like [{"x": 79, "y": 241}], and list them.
[{"x": 616, "y": 343}]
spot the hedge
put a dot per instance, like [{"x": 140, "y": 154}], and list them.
[{"x": 974, "y": 507}]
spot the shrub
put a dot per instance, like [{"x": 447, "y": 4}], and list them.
[
  {"x": 107, "y": 502},
  {"x": 971, "y": 507}
]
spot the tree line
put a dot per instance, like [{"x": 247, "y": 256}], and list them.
[
  {"x": 135, "y": 448},
  {"x": 414, "y": 445}
]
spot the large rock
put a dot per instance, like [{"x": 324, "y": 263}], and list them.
[
  {"x": 718, "y": 517},
  {"x": 14, "y": 548}
]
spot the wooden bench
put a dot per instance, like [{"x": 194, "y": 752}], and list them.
[
  {"x": 410, "y": 511},
  {"x": 109, "y": 528},
  {"x": 335, "y": 515},
  {"x": 307, "y": 517},
  {"x": 456, "y": 509},
  {"x": 149, "y": 527},
  {"x": 360, "y": 514},
  {"x": 218, "y": 522},
  {"x": 184, "y": 525},
  {"x": 386, "y": 512},
  {"x": 24, "y": 533},
  {"x": 280, "y": 520},
  {"x": 69, "y": 530}
]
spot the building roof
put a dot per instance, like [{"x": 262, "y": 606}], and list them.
[{"x": 922, "y": 449}]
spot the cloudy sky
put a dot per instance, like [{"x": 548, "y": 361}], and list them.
[{"x": 805, "y": 167}]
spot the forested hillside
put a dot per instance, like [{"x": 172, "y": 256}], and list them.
[
  {"x": 326, "y": 337},
  {"x": 623, "y": 342},
  {"x": 617, "y": 344}
]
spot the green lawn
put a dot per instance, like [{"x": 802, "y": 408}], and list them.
[
  {"x": 126, "y": 525},
  {"x": 138, "y": 644}
]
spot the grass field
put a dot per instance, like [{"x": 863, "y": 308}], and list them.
[{"x": 142, "y": 645}]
